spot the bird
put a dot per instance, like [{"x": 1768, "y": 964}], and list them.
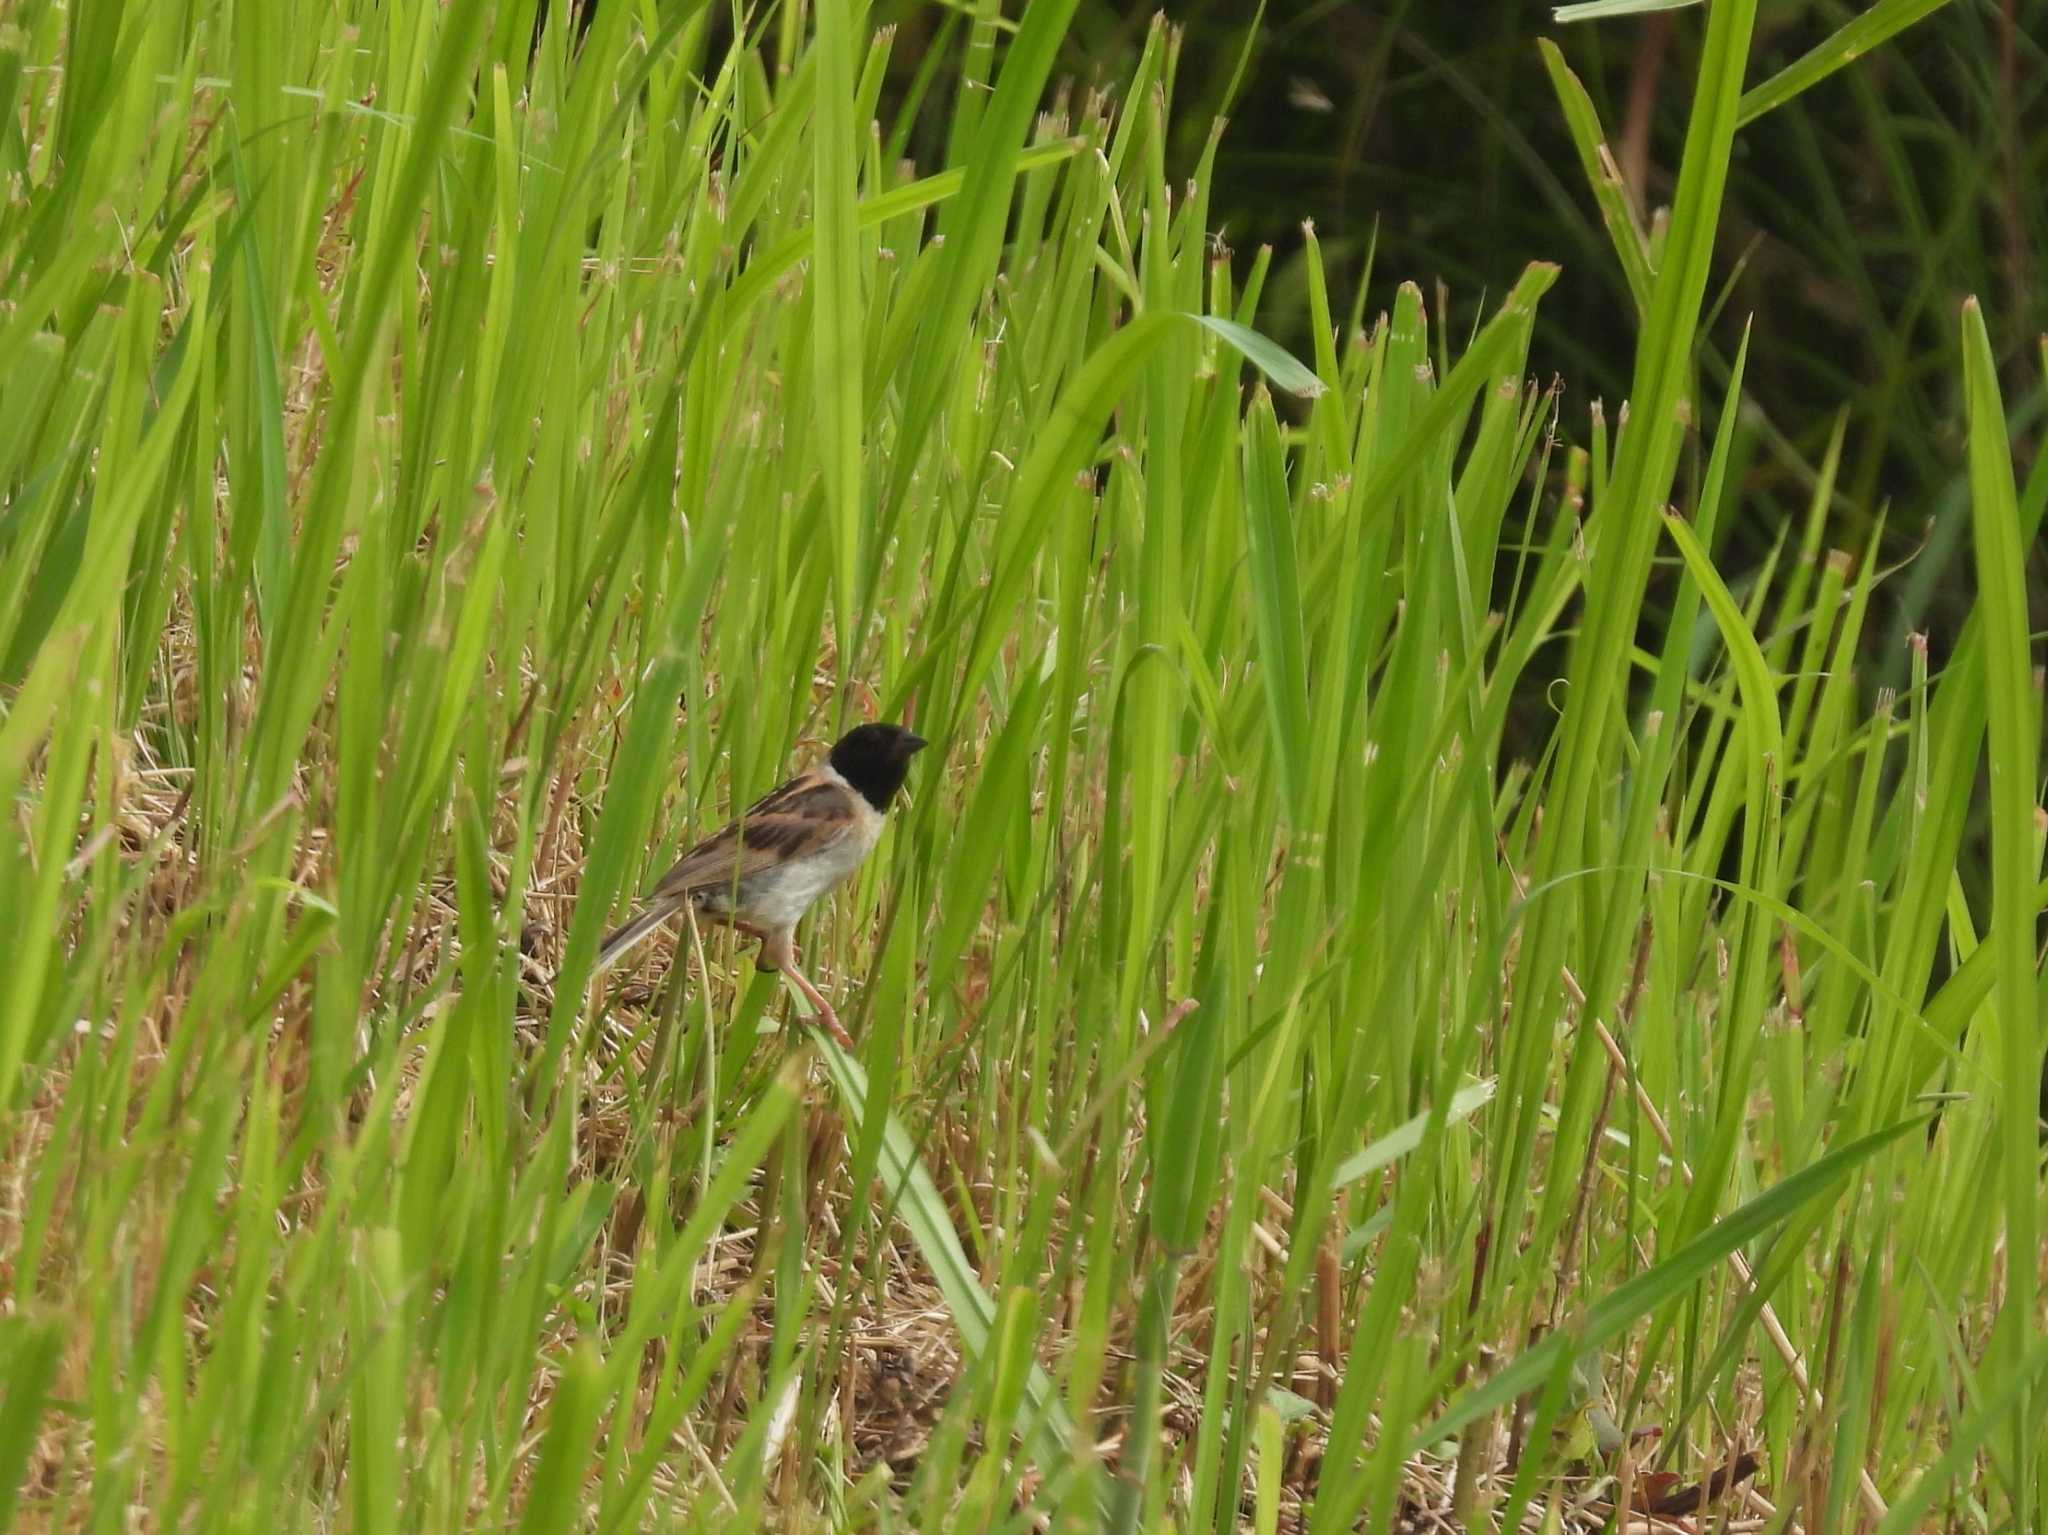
[{"x": 764, "y": 871}]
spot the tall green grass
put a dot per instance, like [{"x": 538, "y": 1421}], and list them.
[{"x": 442, "y": 476}]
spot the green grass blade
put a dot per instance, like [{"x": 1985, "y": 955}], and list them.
[
  {"x": 837, "y": 311},
  {"x": 1276, "y": 603},
  {"x": 1624, "y": 231},
  {"x": 29, "y": 1351},
  {"x": 1050, "y": 1432},
  {"x": 553, "y": 1503},
  {"x": 1276, "y": 362},
  {"x": 2014, "y": 761},
  {"x": 1862, "y": 32},
  {"x": 1608, "y": 1317},
  {"x": 1604, "y": 10}
]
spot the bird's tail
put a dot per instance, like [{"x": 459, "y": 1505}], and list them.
[{"x": 622, "y": 942}]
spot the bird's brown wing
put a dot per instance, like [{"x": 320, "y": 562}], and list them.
[{"x": 806, "y": 815}]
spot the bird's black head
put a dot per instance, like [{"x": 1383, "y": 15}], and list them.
[{"x": 874, "y": 759}]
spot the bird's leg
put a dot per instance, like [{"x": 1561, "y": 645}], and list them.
[
  {"x": 828, "y": 1018},
  {"x": 778, "y": 952}
]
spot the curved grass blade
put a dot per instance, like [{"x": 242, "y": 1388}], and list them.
[
  {"x": 1752, "y": 673},
  {"x": 1628, "y": 1303},
  {"x": 1051, "y": 1434},
  {"x": 1269, "y": 357},
  {"x": 1855, "y": 37},
  {"x": 1406, "y": 1136},
  {"x": 1604, "y": 10}
]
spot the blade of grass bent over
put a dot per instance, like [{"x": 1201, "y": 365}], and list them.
[
  {"x": 1608, "y": 1317},
  {"x": 1052, "y": 1435}
]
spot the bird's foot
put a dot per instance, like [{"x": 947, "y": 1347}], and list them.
[
  {"x": 821, "y": 1009},
  {"x": 829, "y": 1022}
]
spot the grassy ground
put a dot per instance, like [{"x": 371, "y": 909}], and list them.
[{"x": 441, "y": 480}]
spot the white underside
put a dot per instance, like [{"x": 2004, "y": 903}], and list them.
[{"x": 777, "y": 898}]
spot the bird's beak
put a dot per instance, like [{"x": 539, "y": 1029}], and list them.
[{"x": 914, "y": 744}]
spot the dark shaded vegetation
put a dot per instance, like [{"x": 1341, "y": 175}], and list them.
[
  {"x": 1427, "y": 137},
  {"x": 1858, "y": 218}
]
